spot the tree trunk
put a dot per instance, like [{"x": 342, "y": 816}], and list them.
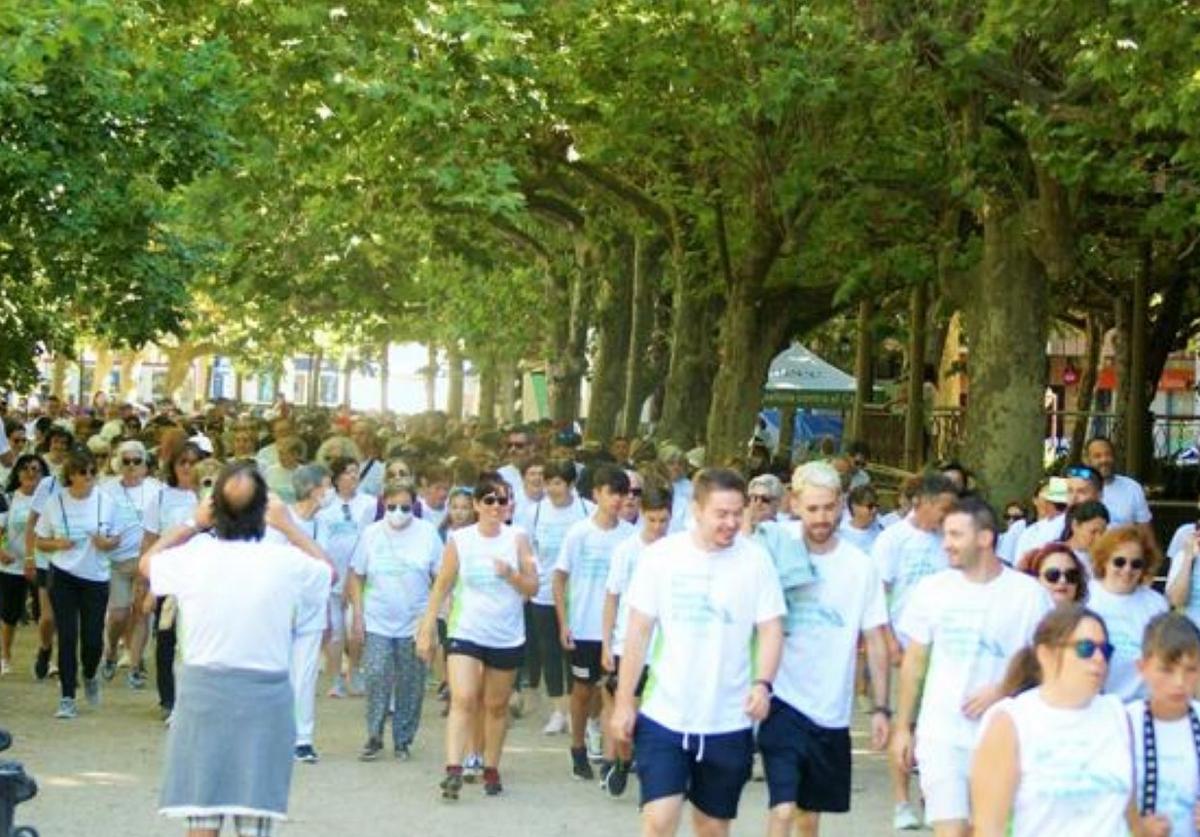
[
  {"x": 431, "y": 370},
  {"x": 1122, "y": 397},
  {"x": 347, "y": 379},
  {"x": 612, "y": 324},
  {"x": 239, "y": 381},
  {"x": 1086, "y": 396},
  {"x": 642, "y": 365},
  {"x": 102, "y": 369},
  {"x": 127, "y": 390},
  {"x": 454, "y": 395},
  {"x": 179, "y": 361},
  {"x": 487, "y": 392},
  {"x": 314, "y": 377},
  {"x": 385, "y": 373},
  {"x": 1136, "y": 424},
  {"x": 1004, "y": 312},
  {"x": 58, "y": 377},
  {"x": 914, "y": 418},
  {"x": 692, "y": 366},
  {"x": 210, "y": 370},
  {"x": 567, "y": 355},
  {"x": 506, "y": 390},
  {"x": 864, "y": 368}
]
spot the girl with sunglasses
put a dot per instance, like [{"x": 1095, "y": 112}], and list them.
[
  {"x": 1056, "y": 758},
  {"x": 1125, "y": 560},
  {"x": 16, "y": 566},
  {"x": 76, "y": 529},
  {"x": 1059, "y": 570},
  {"x": 491, "y": 570}
]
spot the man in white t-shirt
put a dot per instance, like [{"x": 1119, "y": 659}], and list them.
[
  {"x": 716, "y": 602},
  {"x": 1123, "y": 496},
  {"x": 805, "y": 741},
  {"x": 579, "y": 593},
  {"x": 518, "y": 444},
  {"x": 962, "y": 627},
  {"x": 6, "y": 454},
  {"x": 1055, "y": 497}
]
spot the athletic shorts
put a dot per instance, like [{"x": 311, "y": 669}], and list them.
[
  {"x": 43, "y": 578},
  {"x": 585, "y": 662},
  {"x": 13, "y": 589},
  {"x": 805, "y": 763},
  {"x": 501, "y": 659},
  {"x": 945, "y": 780},
  {"x": 610, "y": 679},
  {"x": 120, "y": 585},
  {"x": 708, "y": 770}
]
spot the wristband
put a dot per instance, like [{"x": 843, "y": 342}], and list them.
[
  {"x": 766, "y": 684},
  {"x": 882, "y": 710}
]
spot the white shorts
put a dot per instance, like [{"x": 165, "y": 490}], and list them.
[
  {"x": 945, "y": 780},
  {"x": 337, "y": 618}
]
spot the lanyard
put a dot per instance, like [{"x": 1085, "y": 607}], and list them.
[
  {"x": 1150, "y": 756},
  {"x": 137, "y": 509},
  {"x": 66, "y": 524}
]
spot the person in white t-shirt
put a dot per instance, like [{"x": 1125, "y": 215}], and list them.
[
  {"x": 434, "y": 489},
  {"x": 961, "y": 625},
  {"x": 860, "y": 524},
  {"x": 709, "y": 593},
  {"x": 395, "y": 564},
  {"x": 519, "y": 445},
  {"x": 676, "y": 464},
  {"x": 55, "y": 446},
  {"x": 491, "y": 570},
  {"x": 1125, "y": 497},
  {"x": 1055, "y": 758},
  {"x": 654, "y": 518},
  {"x": 371, "y": 470},
  {"x": 1054, "y": 499},
  {"x": 1124, "y": 562},
  {"x": 76, "y": 528},
  {"x": 1166, "y": 728},
  {"x": 17, "y": 568},
  {"x": 805, "y": 741},
  {"x": 1183, "y": 582},
  {"x": 580, "y": 574}
]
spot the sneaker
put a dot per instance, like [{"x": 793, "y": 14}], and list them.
[
  {"x": 403, "y": 753},
  {"x": 443, "y": 691},
  {"x": 472, "y": 767},
  {"x": 136, "y": 679},
  {"x": 67, "y": 709},
  {"x": 5, "y": 667},
  {"x": 605, "y": 767},
  {"x": 617, "y": 778},
  {"x": 371, "y": 750},
  {"x": 108, "y": 670},
  {"x": 338, "y": 688},
  {"x": 595, "y": 751},
  {"x": 905, "y": 818},
  {"x": 306, "y": 754},
  {"x": 580, "y": 768},
  {"x": 557, "y": 724},
  {"x": 451, "y": 785},
  {"x": 491, "y": 781},
  {"x": 124, "y": 661},
  {"x": 53, "y": 672},
  {"x": 91, "y": 690},
  {"x": 169, "y": 719},
  {"x": 516, "y": 705},
  {"x": 41, "y": 668}
]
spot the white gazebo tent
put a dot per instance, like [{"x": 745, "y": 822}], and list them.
[{"x": 798, "y": 378}]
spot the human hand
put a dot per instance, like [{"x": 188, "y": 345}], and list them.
[
  {"x": 902, "y": 748},
  {"x": 565, "y": 638},
  {"x": 758, "y": 702},
  {"x": 975, "y": 705},
  {"x": 881, "y": 729}
]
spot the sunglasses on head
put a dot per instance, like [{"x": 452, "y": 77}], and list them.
[
  {"x": 494, "y": 499},
  {"x": 1085, "y": 649},
  {"x": 1082, "y": 472},
  {"x": 132, "y": 460},
  {"x": 1134, "y": 563},
  {"x": 1055, "y": 575},
  {"x": 404, "y": 507}
]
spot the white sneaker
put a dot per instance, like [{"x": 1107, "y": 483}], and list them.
[
  {"x": 557, "y": 724},
  {"x": 123, "y": 661},
  {"x": 593, "y": 737},
  {"x": 66, "y": 709},
  {"x": 5, "y": 667},
  {"x": 905, "y": 818}
]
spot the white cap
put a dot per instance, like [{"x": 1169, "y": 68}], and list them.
[{"x": 203, "y": 442}]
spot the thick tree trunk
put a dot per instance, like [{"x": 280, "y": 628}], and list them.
[
  {"x": 1086, "y": 396},
  {"x": 506, "y": 390},
  {"x": 431, "y": 370},
  {"x": 58, "y": 377},
  {"x": 1136, "y": 424},
  {"x": 612, "y": 324},
  {"x": 1122, "y": 315},
  {"x": 316, "y": 361},
  {"x": 454, "y": 394},
  {"x": 179, "y": 362},
  {"x": 239, "y": 383},
  {"x": 102, "y": 369},
  {"x": 692, "y": 366},
  {"x": 385, "y": 374},
  {"x": 914, "y": 419},
  {"x": 864, "y": 368},
  {"x": 1004, "y": 313},
  {"x": 347, "y": 379},
  {"x": 567, "y": 355},
  {"x": 643, "y": 363},
  {"x": 210, "y": 369},
  {"x": 487, "y": 392}
]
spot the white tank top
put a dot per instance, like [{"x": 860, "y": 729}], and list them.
[
  {"x": 1076, "y": 767},
  {"x": 486, "y": 610}
]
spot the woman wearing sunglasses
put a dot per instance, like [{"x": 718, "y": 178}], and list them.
[
  {"x": 1056, "y": 758},
  {"x": 1125, "y": 560},
  {"x": 491, "y": 569},
  {"x": 16, "y": 567},
  {"x": 1060, "y": 571},
  {"x": 76, "y": 528}
]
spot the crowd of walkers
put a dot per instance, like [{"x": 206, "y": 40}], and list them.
[{"x": 673, "y": 622}]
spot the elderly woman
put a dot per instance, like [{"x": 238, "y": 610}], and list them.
[
  {"x": 1125, "y": 559},
  {"x": 279, "y": 477}
]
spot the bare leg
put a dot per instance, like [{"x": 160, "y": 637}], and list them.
[
  {"x": 780, "y": 819},
  {"x": 497, "y": 687},
  {"x": 6, "y": 641},
  {"x": 705, "y": 826},
  {"x": 581, "y": 699},
  {"x": 660, "y": 818},
  {"x": 951, "y": 828},
  {"x": 46, "y": 623},
  {"x": 808, "y": 823},
  {"x": 466, "y": 687},
  {"x": 118, "y": 621}
]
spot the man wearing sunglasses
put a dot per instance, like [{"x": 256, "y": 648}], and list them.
[
  {"x": 518, "y": 447},
  {"x": 962, "y": 626}
]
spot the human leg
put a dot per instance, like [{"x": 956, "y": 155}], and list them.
[
  {"x": 65, "y": 597},
  {"x": 409, "y": 692},
  {"x": 306, "y": 655},
  {"x": 380, "y": 671},
  {"x": 93, "y": 605},
  {"x": 497, "y": 687}
]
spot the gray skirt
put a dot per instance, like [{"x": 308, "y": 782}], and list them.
[{"x": 230, "y": 746}]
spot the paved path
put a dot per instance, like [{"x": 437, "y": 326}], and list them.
[{"x": 99, "y": 776}]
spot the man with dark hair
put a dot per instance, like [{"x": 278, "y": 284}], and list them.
[
  {"x": 962, "y": 626},
  {"x": 238, "y": 595},
  {"x": 519, "y": 448},
  {"x": 1123, "y": 496}
]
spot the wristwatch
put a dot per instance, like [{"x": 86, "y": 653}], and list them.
[
  {"x": 882, "y": 710},
  {"x": 766, "y": 684}
]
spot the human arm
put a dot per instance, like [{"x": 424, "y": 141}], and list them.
[
  {"x": 633, "y": 660},
  {"x": 354, "y": 588},
  {"x": 609, "y": 619},
  {"x": 278, "y": 517},
  {"x": 560, "y": 607},
  {"x": 770, "y": 648},
  {"x": 524, "y": 578},
  {"x": 1179, "y": 586},
  {"x": 879, "y": 664},
  {"x": 995, "y": 774},
  {"x": 912, "y": 669},
  {"x": 447, "y": 575}
]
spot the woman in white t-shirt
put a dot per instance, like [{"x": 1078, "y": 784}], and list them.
[
  {"x": 1056, "y": 758},
  {"x": 75, "y": 528},
  {"x": 492, "y": 571},
  {"x": 1124, "y": 560},
  {"x": 1183, "y": 582},
  {"x": 16, "y": 567}
]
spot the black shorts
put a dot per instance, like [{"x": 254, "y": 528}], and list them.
[
  {"x": 710, "y": 771},
  {"x": 585, "y": 661},
  {"x": 43, "y": 579},
  {"x": 501, "y": 659},
  {"x": 805, "y": 763},
  {"x": 611, "y": 677},
  {"x": 13, "y": 589}
]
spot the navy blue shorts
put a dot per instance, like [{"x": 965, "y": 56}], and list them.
[
  {"x": 708, "y": 770},
  {"x": 805, "y": 763},
  {"x": 501, "y": 659}
]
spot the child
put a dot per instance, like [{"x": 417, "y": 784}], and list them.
[
  {"x": 655, "y": 518},
  {"x": 1166, "y": 727}
]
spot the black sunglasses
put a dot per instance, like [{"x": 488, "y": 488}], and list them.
[
  {"x": 1014, "y": 517},
  {"x": 1134, "y": 563},
  {"x": 635, "y": 492},
  {"x": 404, "y": 507},
  {"x": 1085, "y": 649},
  {"x": 1055, "y": 575},
  {"x": 518, "y": 445},
  {"x": 494, "y": 500},
  {"x": 760, "y": 498},
  {"x": 131, "y": 461}
]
